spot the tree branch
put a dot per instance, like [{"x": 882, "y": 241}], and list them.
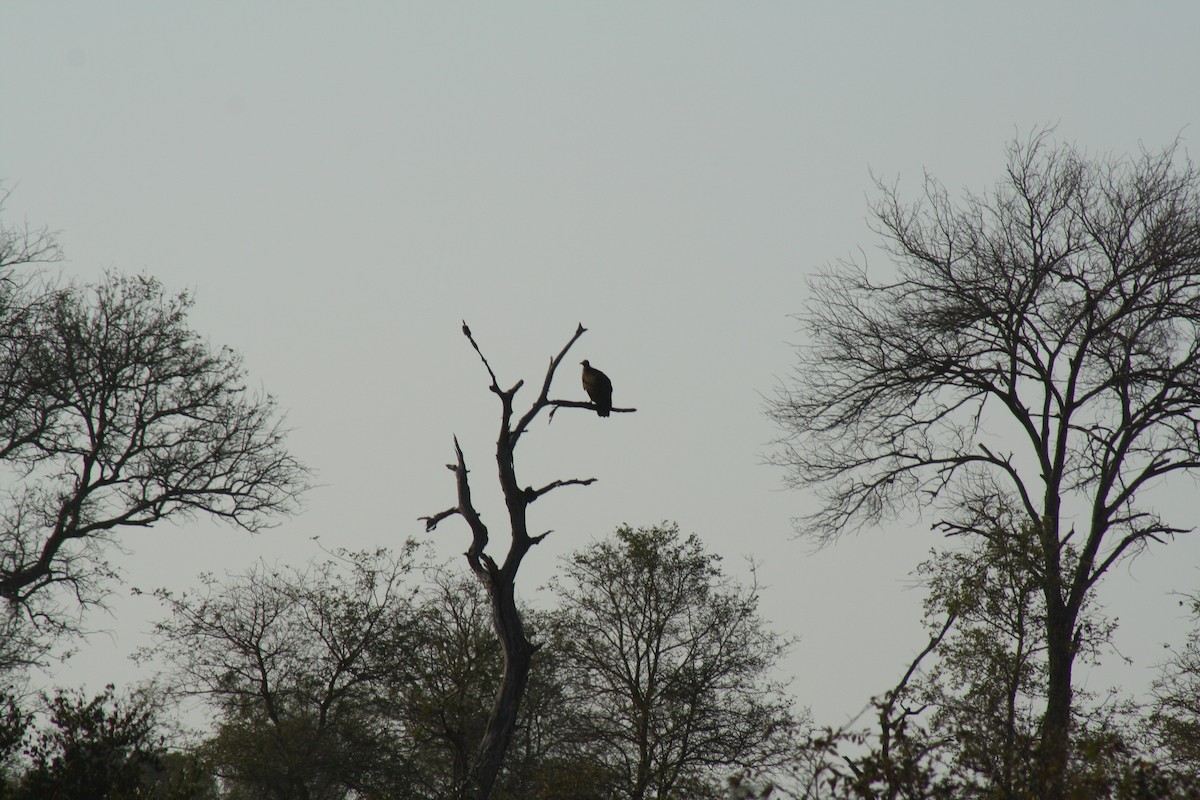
[{"x": 532, "y": 494}]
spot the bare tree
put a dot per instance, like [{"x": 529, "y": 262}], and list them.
[
  {"x": 116, "y": 414},
  {"x": 499, "y": 578},
  {"x": 25, "y": 407},
  {"x": 22, "y": 246},
  {"x": 1036, "y": 349}
]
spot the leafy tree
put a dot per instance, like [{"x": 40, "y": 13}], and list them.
[
  {"x": 345, "y": 678},
  {"x": 106, "y": 748},
  {"x": 1175, "y": 713},
  {"x": 1037, "y": 349},
  {"x": 442, "y": 712},
  {"x": 454, "y": 660},
  {"x": 963, "y": 721},
  {"x": 668, "y": 666},
  {"x": 14, "y": 722},
  {"x": 296, "y": 663},
  {"x": 991, "y": 672}
]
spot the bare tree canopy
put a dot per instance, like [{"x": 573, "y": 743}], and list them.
[
  {"x": 115, "y": 413},
  {"x": 21, "y": 246},
  {"x": 1036, "y": 349}
]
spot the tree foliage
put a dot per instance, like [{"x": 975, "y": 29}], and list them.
[
  {"x": 14, "y": 722},
  {"x": 443, "y": 712},
  {"x": 963, "y": 721},
  {"x": 988, "y": 683},
  {"x": 1175, "y": 712},
  {"x": 1036, "y": 349},
  {"x": 668, "y": 666},
  {"x": 294, "y": 661},
  {"x": 106, "y": 748},
  {"x": 352, "y": 678}
]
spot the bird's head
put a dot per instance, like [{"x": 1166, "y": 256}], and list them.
[{"x": 585, "y": 363}]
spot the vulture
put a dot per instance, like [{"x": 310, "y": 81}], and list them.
[{"x": 598, "y": 387}]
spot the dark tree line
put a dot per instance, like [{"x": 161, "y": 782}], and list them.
[
  {"x": 365, "y": 676},
  {"x": 105, "y": 747},
  {"x": 369, "y": 675}
]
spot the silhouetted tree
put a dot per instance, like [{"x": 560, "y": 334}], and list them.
[
  {"x": 668, "y": 666},
  {"x": 442, "y": 712},
  {"x": 14, "y": 722},
  {"x": 1037, "y": 348},
  {"x": 499, "y": 578},
  {"x": 114, "y": 413},
  {"x": 962, "y": 723},
  {"x": 297, "y": 662},
  {"x": 1175, "y": 711},
  {"x": 106, "y": 748}
]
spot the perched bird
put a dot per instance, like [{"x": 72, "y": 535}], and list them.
[{"x": 598, "y": 387}]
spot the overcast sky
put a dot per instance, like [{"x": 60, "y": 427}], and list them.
[{"x": 340, "y": 184}]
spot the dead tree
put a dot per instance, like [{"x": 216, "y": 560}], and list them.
[{"x": 499, "y": 579}]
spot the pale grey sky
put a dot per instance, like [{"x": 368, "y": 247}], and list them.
[{"x": 341, "y": 183}]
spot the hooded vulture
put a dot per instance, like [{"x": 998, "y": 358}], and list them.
[{"x": 598, "y": 387}]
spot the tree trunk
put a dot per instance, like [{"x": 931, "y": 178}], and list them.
[
  {"x": 1056, "y": 722},
  {"x": 518, "y": 655}
]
